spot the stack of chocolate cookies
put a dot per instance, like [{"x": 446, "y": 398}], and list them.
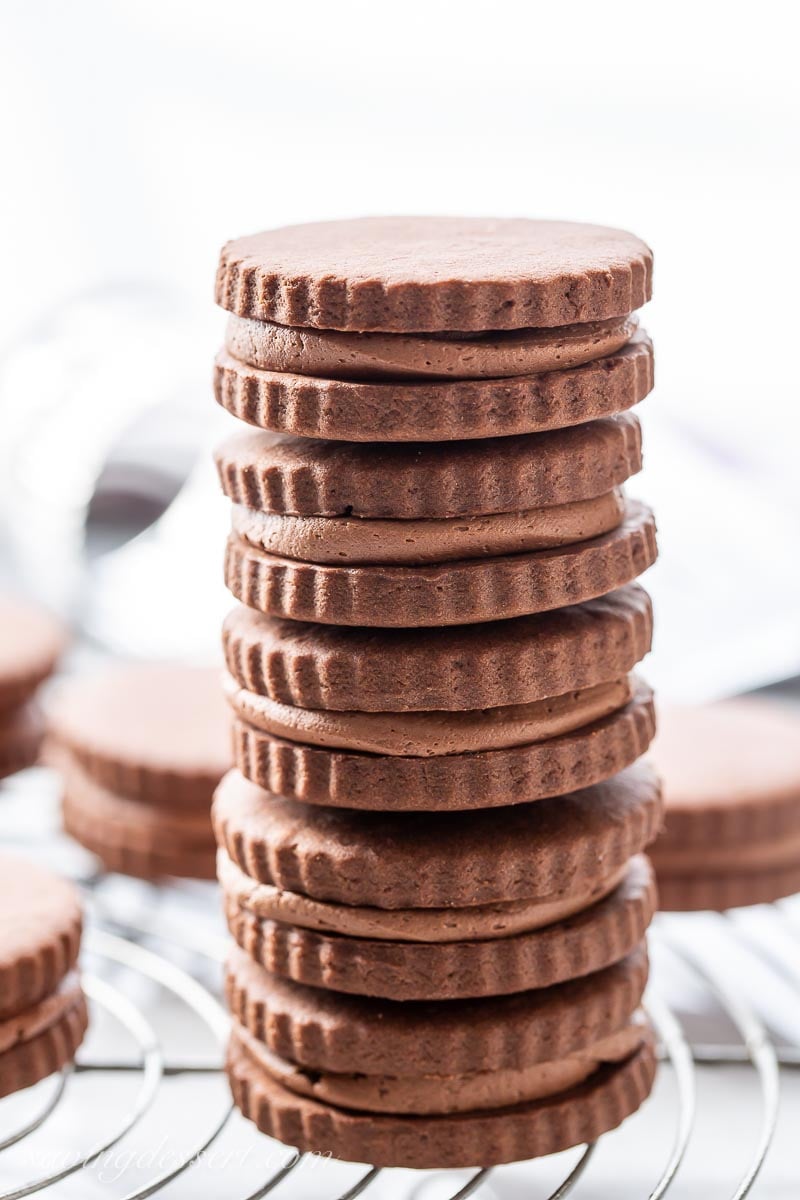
[{"x": 431, "y": 850}]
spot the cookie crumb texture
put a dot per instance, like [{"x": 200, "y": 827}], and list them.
[{"x": 432, "y": 848}]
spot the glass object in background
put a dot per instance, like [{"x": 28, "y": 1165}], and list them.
[{"x": 103, "y": 415}]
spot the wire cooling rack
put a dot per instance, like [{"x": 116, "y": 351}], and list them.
[{"x": 139, "y": 942}]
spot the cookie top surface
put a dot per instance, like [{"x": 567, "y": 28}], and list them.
[
  {"x": 731, "y": 771},
  {"x": 30, "y": 644},
  {"x": 142, "y": 727},
  {"x": 298, "y": 476},
  {"x": 434, "y": 274},
  {"x": 40, "y": 933},
  {"x": 410, "y": 860}
]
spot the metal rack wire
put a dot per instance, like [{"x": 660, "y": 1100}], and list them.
[{"x": 129, "y": 950}]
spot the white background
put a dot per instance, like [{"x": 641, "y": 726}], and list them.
[{"x": 139, "y": 135}]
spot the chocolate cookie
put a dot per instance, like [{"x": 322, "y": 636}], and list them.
[
  {"x": 290, "y": 476},
  {"x": 487, "y": 779},
  {"x": 399, "y": 670},
  {"x": 485, "y": 1138},
  {"x": 339, "y": 1033},
  {"x": 540, "y": 850},
  {"x": 21, "y": 733},
  {"x": 416, "y": 274},
  {"x": 732, "y": 793},
  {"x": 452, "y": 593},
  {"x": 156, "y": 733},
  {"x": 31, "y": 642},
  {"x": 43, "y": 1039},
  {"x": 587, "y": 941},
  {"x": 367, "y": 411},
  {"x": 43, "y": 1013},
  {"x": 39, "y": 937},
  {"x": 136, "y": 838}
]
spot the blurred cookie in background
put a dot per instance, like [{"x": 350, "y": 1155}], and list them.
[
  {"x": 31, "y": 642},
  {"x": 43, "y": 1015},
  {"x": 141, "y": 749},
  {"x": 731, "y": 775}
]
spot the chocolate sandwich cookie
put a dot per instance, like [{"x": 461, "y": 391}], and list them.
[
  {"x": 421, "y": 274},
  {"x": 134, "y": 838},
  {"x": 486, "y": 909},
  {"x": 540, "y": 851},
  {"x": 732, "y": 791},
  {"x": 451, "y": 593},
  {"x": 21, "y": 733},
  {"x": 472, "y": 779},
  {"x": 586, "y": 941},
  {"x": 479, "y": 1138},
  {"x": 390, "y": 411},
  {"x": 482, "y": 666},
  {"x": 141, "y": 749},
  {"x": 31, "y": 642},
  {"x": 43, "y": 1013},
  {"x": 158, "y": 733},
  {"x": 435, "y": 1059},
  {"x": 43, "y": 1039},
  {"x": 568, "y": 1116},
  {"x": 342, "y": 1034},
  {"x": 406, "y": 483}
]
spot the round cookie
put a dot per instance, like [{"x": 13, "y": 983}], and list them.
[
  {"x": 335, "y": 1032},
  {"x": 38, "y": 1042},
  {"x": 732, "y": 793},
  {"x": 290, "y": 476},
  {"x": 426, "y": 1095},
  {"x": 586, "y": 942},
  {"x": 158, "y": 733},
  {"x": 454, "y": 593},
  {"x": 418, "y": 274},
  {"x": 488, "y": 779},
  {"x": 21, "y": 733},
  {"x": 39, "y": 935},
  {"x": 369, "y": 411},
  {"x": 540, "y": 850},
  {"x": 31, "y": 642},
  {"x": 505, "y": 662},
  {"x": 134, "y": 838},
  {"x": 485, "y": 1138}
]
